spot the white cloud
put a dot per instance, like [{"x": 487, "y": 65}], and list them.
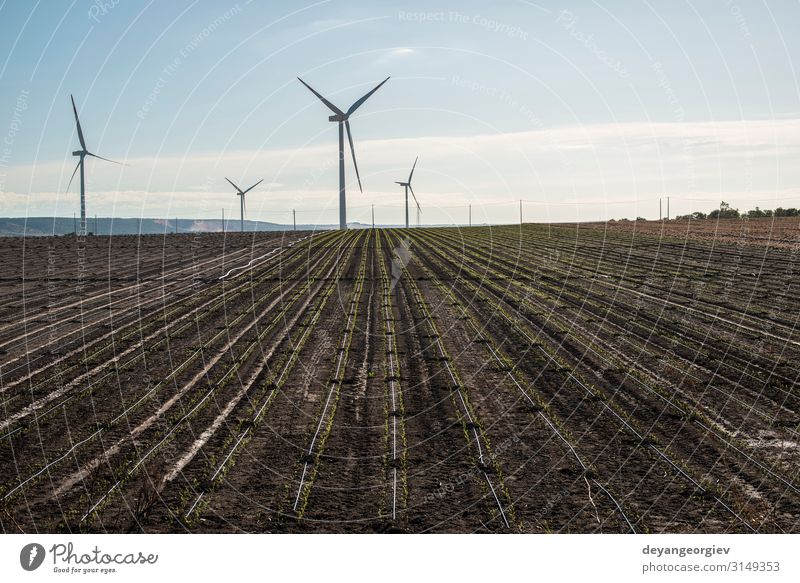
[
  {"x": 326, "y": 24},
  {"x": 596, "y": 164},
  {"x": 391, "y": 55}
]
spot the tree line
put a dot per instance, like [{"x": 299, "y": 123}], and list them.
[{"x": 726, "y": 211}]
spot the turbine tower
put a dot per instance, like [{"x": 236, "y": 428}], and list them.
[
  {"x": 342, "y": 118},
  {"x": 242, "y": 206},
  {"x": 407, "y": 186},
  {"x": 82, "y": 153}
]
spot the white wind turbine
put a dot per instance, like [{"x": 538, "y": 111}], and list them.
[
  {"x": 242, "y": 206},
  {"x": 407, "y": 186},
  {"x": 83, "y": 152},
  {"x": 342, "y": 118}
]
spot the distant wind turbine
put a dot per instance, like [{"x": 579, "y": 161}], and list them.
[
  {"x": 242, "y": 205},
  {"x": 342, "y": 118},
  {"x": 83, "y": 152},
  {"x": 407, "y": 186}
]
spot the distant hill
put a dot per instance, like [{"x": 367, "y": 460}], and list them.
[
  {"x": 48, "y": 226},
  {"x": 43, "y": 226}
]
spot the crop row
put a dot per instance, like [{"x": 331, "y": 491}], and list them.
[
  {"x": 530, "y": 333},
  {"x": 316, "y": 445},
  {"x": 660, "y": 336},
  {"x": 125, "y": 417},
  {"x": 474, "y": 433},
  {"x": 163, "y": 305},
  {"x": 699, "y": 287},
  {"x": 100, "y": 303},
  {"x": 536, "y": 403},
  {"x": 197, "y": 407},
  {"x": 395, "y": 432}
]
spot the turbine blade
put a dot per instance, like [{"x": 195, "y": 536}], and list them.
[
  {"x": 353, "y": 152},
  {"x": 78, "y": 123},
  {"x": 106, "y": 159},
  {"x": 358, "y": 103},
  {"x": 412, "y": 169},
  {"x": 239, "y": 190},
  {"x": 400, "y": 183},
  {"x": 73, "y": 175},
  {"x": 414, "y": 195},
  {"x": 330, "y": 105},
  {"x": 252, "y": 187},
  {"x": 244, "y": 203}
]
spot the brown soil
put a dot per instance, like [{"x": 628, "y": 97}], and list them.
[
  {"x": 611, "y": 377},
  {"x": 779, "y": 232}
]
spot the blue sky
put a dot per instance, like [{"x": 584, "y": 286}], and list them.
[{"x": 586, "y": 110}]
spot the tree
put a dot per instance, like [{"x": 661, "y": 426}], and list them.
[{"x": 724, "y": 212}]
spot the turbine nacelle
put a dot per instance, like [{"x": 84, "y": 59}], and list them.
[{"x": 339, "y": 117}]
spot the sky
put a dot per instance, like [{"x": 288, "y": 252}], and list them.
[{"x": 583, "y": 110}]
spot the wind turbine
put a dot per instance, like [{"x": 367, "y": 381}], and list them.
[
  {"x": 407, "y": 186},
  {"x": 242, "y": 205},
  {"x": 342, "y": 118},
  {"x": 83, "y": 152}
]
